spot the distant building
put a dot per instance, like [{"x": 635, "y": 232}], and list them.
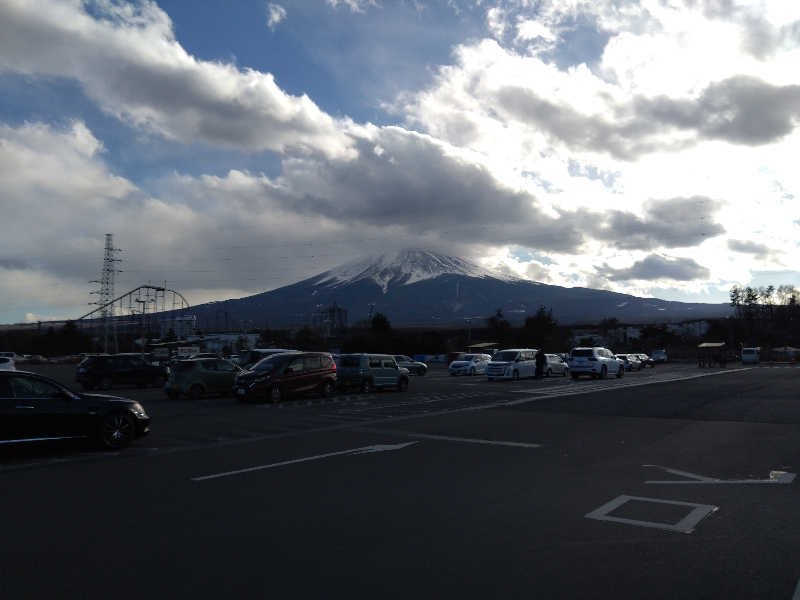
[
  {"x": 329, "y": 320},
  {"x": 697, "y": 328},
  {"x": 182, "y": 326}
]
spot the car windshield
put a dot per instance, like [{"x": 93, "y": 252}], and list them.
[
  {"x": 505, "y": 356},
  {"x": 581, "y": 352},
  {"x": 267, "y": 364}
]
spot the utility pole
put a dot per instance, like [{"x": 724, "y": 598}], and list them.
[{"x": 106, "y": 291}]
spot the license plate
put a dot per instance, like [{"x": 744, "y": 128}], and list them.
[{"x": 240, "y": 391}]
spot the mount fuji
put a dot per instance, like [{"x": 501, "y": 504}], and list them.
[{"x": 421, "y": 288}]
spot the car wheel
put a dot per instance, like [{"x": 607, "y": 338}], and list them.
[
  {"x": 366, "y": 386},
  {"x": 158, "y": 382},
  {"x": 196, "y": 391},
  {"x": 402, "y": 385},
  {"x": 472, "y": 372},
  {"x": 620, "y": 373},
  {"x": 328, "y": 389},
  {"x": 116, "y": 431},
  {"x": 515, "y": 376},
  {"x": 549, "y": 372},
  {"x": 603, "y": 372}
]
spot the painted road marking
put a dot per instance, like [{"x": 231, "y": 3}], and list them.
[
  {"x": 611, "y": 387},
  {"x": 685, "y": 525},
  {"x": 796, "y": 595},
  {"x": 775, "y": 478},
  {"x": 448, "y": 438},
  {"x": 351, "y": 452}
]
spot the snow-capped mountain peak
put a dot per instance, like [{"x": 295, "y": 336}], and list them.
[{"x": 405, "y": 267}]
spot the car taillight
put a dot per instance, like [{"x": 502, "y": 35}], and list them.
[{"x": 334, "y": 366}]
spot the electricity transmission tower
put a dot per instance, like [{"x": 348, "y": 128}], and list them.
[{"x": 106, "y": 292}]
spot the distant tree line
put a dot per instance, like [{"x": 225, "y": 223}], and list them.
[{"x": 766, "y": 303}]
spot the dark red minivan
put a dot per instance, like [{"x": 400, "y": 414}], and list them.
[{"x": 281, "y": 376}]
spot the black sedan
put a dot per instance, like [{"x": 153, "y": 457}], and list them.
[{"x": 34, "y": 408}]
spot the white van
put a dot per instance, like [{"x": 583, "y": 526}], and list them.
[
  {"x": 751, "y": 355},
  {"x": 515, "y": 363}
]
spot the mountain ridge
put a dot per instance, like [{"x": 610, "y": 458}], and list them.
[{"x": 414, "y": 287}]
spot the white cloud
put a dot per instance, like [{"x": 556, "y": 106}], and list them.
[
  {"x": 275, "y": 14},
  {"x": 129, "y": 62},
  {"x": 355, "y": 6}
]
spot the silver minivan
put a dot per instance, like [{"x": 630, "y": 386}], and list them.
[{"x": 515, "y": 363}]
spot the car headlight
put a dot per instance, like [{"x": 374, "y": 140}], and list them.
[{"x": 138, "y": 410}]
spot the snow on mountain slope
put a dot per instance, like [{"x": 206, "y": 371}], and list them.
[{"x": 406, "y": 267}]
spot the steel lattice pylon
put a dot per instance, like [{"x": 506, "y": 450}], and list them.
[{"x": 106, "y": 291}]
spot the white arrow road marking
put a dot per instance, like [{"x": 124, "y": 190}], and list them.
[
  {"x": 775, "y": 477},
  {"x": 351, "y": 452}
]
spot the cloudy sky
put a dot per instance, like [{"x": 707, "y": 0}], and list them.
[{"x": 644, "y": 146}]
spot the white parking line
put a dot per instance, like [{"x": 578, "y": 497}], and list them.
[
  {"x": 614, "y": 386},
  {"x": 351, "y": 452},
  {"x": 446, "y": 438},
  {"x": 775, "y": 478}
]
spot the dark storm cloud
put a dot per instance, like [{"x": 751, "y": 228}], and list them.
[
  {"x": 624, "y": 140},
  {"x": 668, "y": 223},
  {"x": 655, "y": 267},
  {"x": 746, "y": 247},
  {"x": 408, "y": 180},
  {"x": 13, "y": 263},
  {"x": 740, "y": 110}
]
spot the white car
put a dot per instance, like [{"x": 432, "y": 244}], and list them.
[
  {"x": 555, "y": 366},
  {"x": 596, "y": 362},
  {"x": 632, "y": 362},
  {"x": 470, "y": 364},
  {"x": 7, "y": 364},
  {"x": 659, "y": 355},
  {"x": 751, "y": 355},
  {"x": 514, "y": 363}
]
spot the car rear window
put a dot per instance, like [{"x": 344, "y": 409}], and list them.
[{"x": 582, "y": 352}]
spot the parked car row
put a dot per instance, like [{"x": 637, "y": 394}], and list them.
[{"x": 519, "y": 363}]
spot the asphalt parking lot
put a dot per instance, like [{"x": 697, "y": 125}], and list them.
[{"x": 673, "y": 482}]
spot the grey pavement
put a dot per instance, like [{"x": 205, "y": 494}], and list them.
[{"x": 399, "y": 495}]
